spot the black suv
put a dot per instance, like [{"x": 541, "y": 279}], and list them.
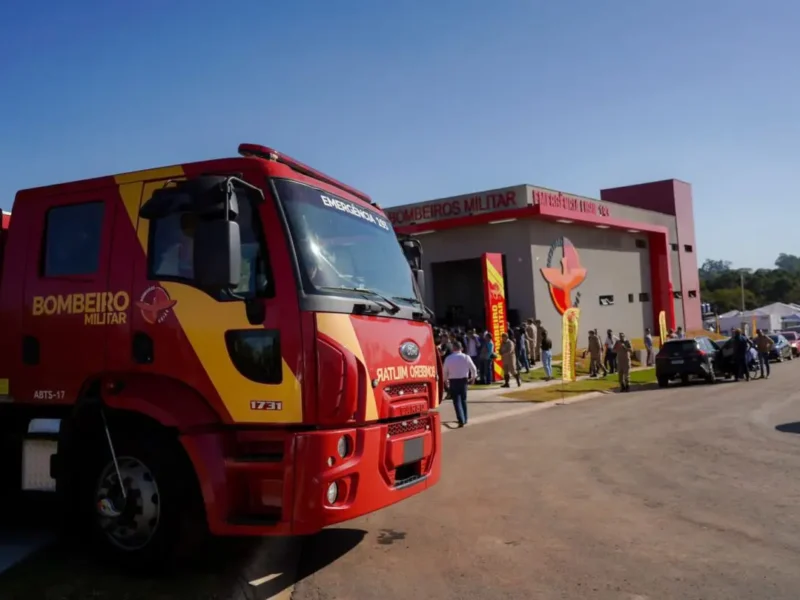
[{"x": 693, "y": 357}]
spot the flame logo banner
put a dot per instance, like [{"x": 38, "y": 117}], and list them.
[
  {"x": 662, "y": 326},
  {"x": 495, "y": 298},
  {"x": 569, "y": 343},
  {"x": 563, "y": 274}
]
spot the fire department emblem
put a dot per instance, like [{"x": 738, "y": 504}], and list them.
[
  {"x": 155, "y": 304},
  {"x": 563, "y": 274}
]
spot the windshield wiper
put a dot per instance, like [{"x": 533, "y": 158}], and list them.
[
  {"x": 427, "y": 314},
  {"x": 392, "y": 309}
]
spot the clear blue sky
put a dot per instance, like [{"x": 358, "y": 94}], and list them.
[{"x": 412, "y": 100}]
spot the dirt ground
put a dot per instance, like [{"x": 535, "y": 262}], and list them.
[{"x": 677, "y": 493}]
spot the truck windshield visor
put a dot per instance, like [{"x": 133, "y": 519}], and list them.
[{"x": 344, "y": 246}]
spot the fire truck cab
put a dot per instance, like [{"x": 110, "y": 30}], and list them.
[{"x": 235, "y": 346}]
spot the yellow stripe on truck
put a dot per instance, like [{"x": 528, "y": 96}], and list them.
[
  {"x": 204, "y": 322},
  {"x": 339, "y": 328}
]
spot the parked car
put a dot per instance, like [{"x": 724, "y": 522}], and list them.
[
  {"x": 687, "y": 358},
  {"x": 782, "y": 350},
  {"x": 794, "y": 341}
]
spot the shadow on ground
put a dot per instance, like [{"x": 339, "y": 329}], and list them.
[
  {"x": 225, "y": 569},
  {"x": 789, "y": 427}
]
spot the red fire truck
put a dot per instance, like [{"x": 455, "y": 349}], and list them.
[{"x": 235, "y": 346}]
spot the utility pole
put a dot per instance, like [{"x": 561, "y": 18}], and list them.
[{"x": 741, "y": 285}]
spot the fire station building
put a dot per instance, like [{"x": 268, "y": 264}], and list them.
[{"x": 621, "y": 259}]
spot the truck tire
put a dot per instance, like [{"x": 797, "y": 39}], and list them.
[
  {"x": 161, "y": 520},
  {"x": 663, "y": 382}
]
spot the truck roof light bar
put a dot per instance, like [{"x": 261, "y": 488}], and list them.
[{"x": 270, "y": 154}]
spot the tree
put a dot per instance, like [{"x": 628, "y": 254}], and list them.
[
  {"x": 711, "y": 268},
  {"x": 788, "y": 262},
  {"x": 721, "y": 284}
]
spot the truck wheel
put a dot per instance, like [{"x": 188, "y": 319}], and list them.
[
  {"x": 663, "y": 382},
  {"x": 155, "y": 522}
]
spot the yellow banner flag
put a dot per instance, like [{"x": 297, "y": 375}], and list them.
[
  {"x": 662, "y": 326},
  {"x": 754, "y": 326},
  {"x": 569, "y": 343}
]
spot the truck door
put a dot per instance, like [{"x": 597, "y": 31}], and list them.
[{"x": 68, "y": 306}]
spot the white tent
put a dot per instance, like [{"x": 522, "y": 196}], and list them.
[
  {"x": 749, "y": 319},
  {"x": 780, "y": 309}
]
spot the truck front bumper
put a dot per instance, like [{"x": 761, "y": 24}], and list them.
[{"x": 273, "y": 482}]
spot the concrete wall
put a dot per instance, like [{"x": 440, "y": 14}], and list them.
[
  {"x": 672, "y": 199},
  {"x": 683, "y": 264},
  {"x": 615, "y": 266}
]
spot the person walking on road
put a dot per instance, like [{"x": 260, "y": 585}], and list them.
[
  {"x": 459, "y": 372},
  {"x": 595, "y": 350},
  {"x": 611, "y": 358},
  {"x": 648, "y": 344},
  {"x": 623, "y": 350},
  {"x": 509, "y": 356},
  {"x": 546, "y": 346},
  {"x": 764, "y": 345}
]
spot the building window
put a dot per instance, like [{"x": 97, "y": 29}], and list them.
[
  {"x": 687, "y": 248},
  {"x": 641, "y": 243},
  {"x": 607, "y": 300},
  {"x": 72, "y": 240},
  {"x": 674, "y": 247},
  {"x": 630, "y": 297},
  {"x": 644, "y": 297},
  {"x": 692, "y": 293},
  {"x": 677, "y": 295}
]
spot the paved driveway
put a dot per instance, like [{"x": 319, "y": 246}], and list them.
[{"x": 677, "y": 493}]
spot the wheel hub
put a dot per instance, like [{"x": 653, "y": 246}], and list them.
[{"x": 129, "y": 520}]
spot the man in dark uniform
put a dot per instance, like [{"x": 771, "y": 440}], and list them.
[{"x": 741, "y": 349}]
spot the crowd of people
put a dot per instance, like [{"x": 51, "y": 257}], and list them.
[
  {"x": 469, "y": 356},
  {"x": 519, "y": 349}
]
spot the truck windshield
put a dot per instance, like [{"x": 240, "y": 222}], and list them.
[{"x": 343, "y": 246}]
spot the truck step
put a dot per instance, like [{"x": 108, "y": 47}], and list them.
[{"x": 38, "y": 448}]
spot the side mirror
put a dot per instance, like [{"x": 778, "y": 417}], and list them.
[{"x": 217, "y": 254}]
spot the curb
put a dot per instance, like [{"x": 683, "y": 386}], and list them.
[{"x": 527, "y": 408}]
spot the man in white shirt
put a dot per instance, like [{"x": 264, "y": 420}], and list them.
[{"x": 459, "y": 372}]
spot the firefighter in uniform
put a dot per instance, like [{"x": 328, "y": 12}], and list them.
[{"x": 623, "y": 351}]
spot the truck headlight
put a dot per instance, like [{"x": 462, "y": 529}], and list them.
[
  {"x": 344, "y": 446},
  {"x": 332, "y": 493}
]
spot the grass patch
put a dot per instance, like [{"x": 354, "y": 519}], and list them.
[{"x": 586, "y": 386}]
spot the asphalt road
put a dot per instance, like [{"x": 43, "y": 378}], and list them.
[{"x": 677, "y": 493}]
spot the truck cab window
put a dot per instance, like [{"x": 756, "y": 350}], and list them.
[
  {"x": 72, "y": 240},
  {"x": 172, "y": 249}
]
